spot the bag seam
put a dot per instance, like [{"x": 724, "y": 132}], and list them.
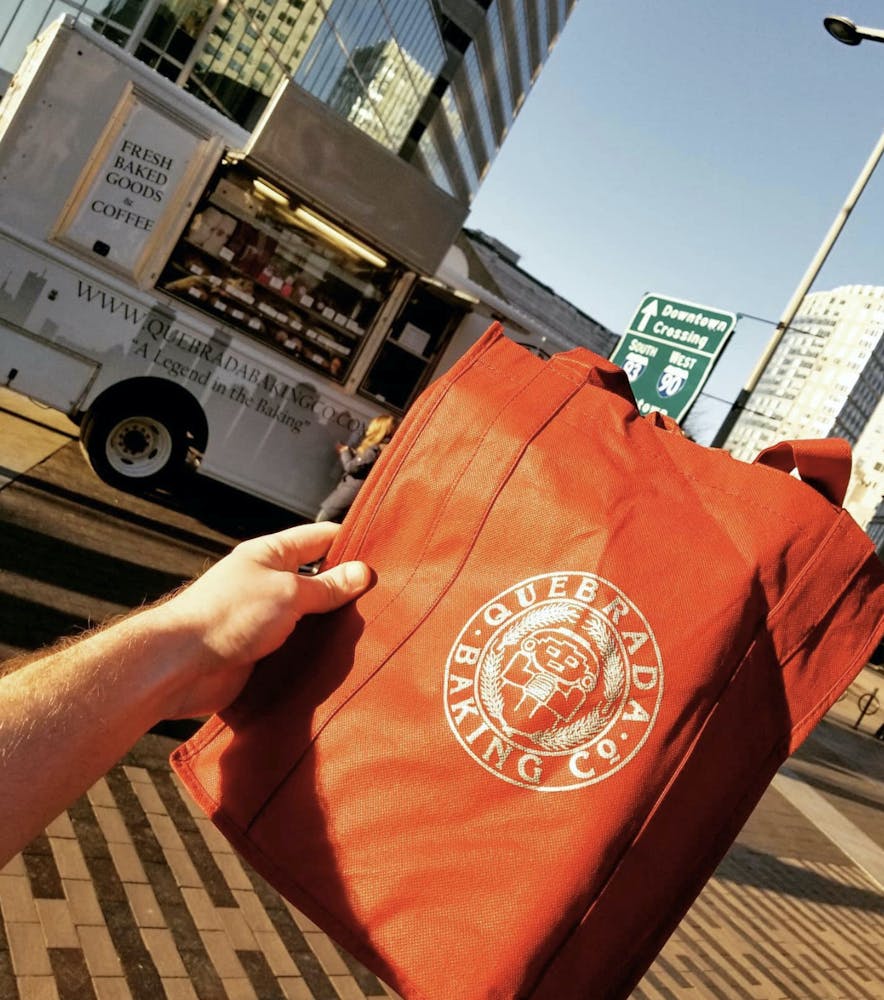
[
  {"x": 855, "y": 664},
  {"x": 504, "y": 478},
  {"x": 651, "y": 812},
  {"x": 778, "y": 752},
  {"x": 363, "y": 512},
  {"x": 440, "y": 509},
  {"x": 780, "y": 749},
  {"x": 786, "y": 599},
  {"x": 353, "y": 545}
]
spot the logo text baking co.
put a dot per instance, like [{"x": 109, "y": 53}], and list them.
[{"x": 555, "y": 683}]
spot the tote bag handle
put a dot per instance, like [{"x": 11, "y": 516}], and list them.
[
  {"x": 823, "y": 463},
  {"x": 595, "y": 370}
]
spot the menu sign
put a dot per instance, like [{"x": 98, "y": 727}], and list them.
[{"x": 138, "y": 165}]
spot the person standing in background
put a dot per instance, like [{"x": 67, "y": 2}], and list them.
[{"x": 357, "y": 462}]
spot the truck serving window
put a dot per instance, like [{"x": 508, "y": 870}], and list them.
[
  {"x": 255, "y": 258},
  {"x": 408, "y": 355}
]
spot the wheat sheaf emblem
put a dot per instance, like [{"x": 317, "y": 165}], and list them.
[{"x": 556, "y": 739}]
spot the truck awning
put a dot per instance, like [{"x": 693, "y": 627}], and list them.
[{"x": 331, "y": 164}]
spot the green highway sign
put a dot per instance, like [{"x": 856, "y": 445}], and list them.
[{"x": 668, "y": 351}]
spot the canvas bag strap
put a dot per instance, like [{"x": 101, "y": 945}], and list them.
[
  {"x": 595, "y": 370},
  {"x": 499, "y": 364},
  {"x": 502, "y": 402},
  {"x": 407, "y": 441},
  {"x": 822, "y": 463},
  {"x": 497, "y": 392}
]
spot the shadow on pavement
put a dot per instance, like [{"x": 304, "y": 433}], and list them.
[
  {"x": 225, "y": 509},
  {"x": 746, "y": 867},
  {"x": 832, "y": 787},
  {"x": 221, "y": 509},
  {"x": 841, "y": 748},
  {"x": 26, "y": 625},
  {"x": 94, "y": 574},
  {"x": 126, "y": 514}
]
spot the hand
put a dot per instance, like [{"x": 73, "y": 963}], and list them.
[{"x": 246, "y": 606}]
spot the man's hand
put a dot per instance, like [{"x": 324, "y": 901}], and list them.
[
  {"x": 246, "y": 606},
  {"x": 69, "y": 713}
]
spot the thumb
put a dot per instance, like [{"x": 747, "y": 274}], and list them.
[{"x": 333, "y": 588}]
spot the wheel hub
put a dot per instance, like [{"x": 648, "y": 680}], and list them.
[
  {"x": 134, "y": 442},
  {"x": 138, "y": 447}
]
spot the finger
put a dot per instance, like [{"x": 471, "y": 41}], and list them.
[
  {"x": 334, "y": 587},
  {"x": 301, "y": 544}
]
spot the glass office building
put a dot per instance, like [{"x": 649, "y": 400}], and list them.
[{"x": 439, "y": 82}]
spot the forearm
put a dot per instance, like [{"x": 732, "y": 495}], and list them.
[
  {"x": 71, "y": 713},
  {"x": 68, "y": 716}
]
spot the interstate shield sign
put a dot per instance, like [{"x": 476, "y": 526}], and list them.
[{"x": 669, "y": 350}]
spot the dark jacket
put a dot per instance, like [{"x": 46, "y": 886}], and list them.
[{"x": 357, "y": 466}]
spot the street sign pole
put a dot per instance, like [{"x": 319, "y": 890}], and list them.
[{"x": 669, "y": 350}]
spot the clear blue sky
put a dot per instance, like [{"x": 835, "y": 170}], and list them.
[{"x": 698, "y": 149}]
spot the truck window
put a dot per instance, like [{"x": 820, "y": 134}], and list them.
[
  {"x": 407, "y": 357},
  {"x": 257, "y": 259}
]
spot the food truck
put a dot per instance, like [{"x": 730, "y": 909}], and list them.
[{"x": 202, "y": 299}]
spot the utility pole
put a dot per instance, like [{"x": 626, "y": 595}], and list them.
[
  {"x": 794, "y": 304},
  {"x": 843, "y": 30}
]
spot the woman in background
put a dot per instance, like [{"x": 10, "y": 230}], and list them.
[{"x": 357, "y": 462}]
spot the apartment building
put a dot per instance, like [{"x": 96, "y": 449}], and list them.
[{"x": 826, "y": 378}]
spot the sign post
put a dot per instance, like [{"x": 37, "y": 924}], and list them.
[{"x": 669, "y": 350}]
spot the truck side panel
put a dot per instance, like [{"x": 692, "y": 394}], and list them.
[
  {"x": 54, "y": 114},
  {"x": 48, "y": 374},
  {"x": 272, "y": 425}
]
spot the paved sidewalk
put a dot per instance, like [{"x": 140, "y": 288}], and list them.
[
  {"x": 796, "y": 909},
  {"x": 133, "y": 894},
  {"x": 30, "y": 433}
]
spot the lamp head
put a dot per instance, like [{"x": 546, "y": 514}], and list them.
[{"x": 843, "y": 29}]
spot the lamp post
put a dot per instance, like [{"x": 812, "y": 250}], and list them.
[
  {"x": 844, "y": 30},
  {"x": 849, "y": 33}
]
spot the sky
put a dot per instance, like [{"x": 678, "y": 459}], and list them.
[{"x": 700, "y": 150}]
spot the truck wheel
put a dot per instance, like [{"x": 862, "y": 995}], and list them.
[{"x": 135, "y": 446}]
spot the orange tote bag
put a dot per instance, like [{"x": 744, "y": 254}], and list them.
[{"x": 508, "y": 769}]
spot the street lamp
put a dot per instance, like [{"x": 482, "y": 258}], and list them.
[{"x": 847, "y": 32}]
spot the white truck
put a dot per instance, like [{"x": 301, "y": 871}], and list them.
[{"x": 197, "y": 297}]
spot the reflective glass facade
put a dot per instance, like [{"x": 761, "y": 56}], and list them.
[{"x": 437, "y": 82}]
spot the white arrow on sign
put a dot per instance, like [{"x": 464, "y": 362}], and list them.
[{"x": 649, "y": 310}]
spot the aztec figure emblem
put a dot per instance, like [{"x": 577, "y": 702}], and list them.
[{"x": 555, "y": 683}]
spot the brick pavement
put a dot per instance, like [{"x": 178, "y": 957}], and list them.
[{"x": 133, "y": 894}]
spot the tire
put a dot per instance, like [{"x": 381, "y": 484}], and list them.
[{"x": 135, "y": 445}]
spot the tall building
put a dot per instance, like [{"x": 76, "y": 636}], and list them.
[
  {"x": 826, "y": 379},
  {"x": 439, "y": 82},
  {"x": 380, "y": 91},
  {"x": 861, "y": 421}
]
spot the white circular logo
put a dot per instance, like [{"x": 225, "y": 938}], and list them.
[{"x": 555, "y": 683}]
